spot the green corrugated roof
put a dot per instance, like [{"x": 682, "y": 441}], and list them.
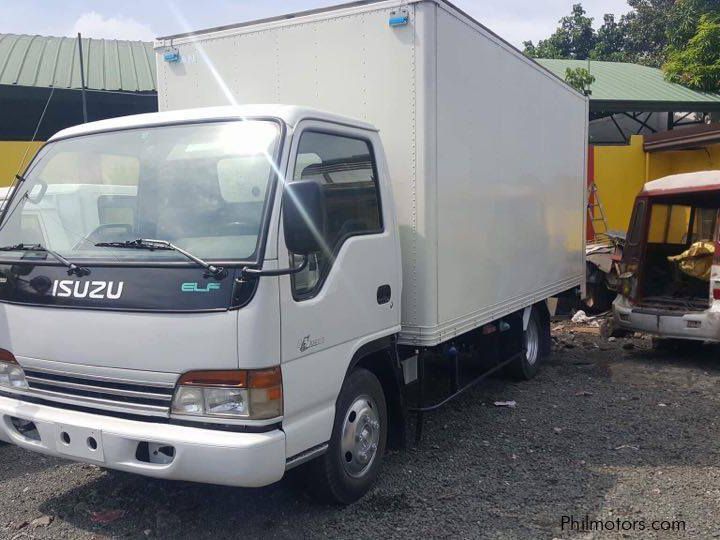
[
  {"x": 40, "y": 61},
  {"x": 620, "y": 85}
]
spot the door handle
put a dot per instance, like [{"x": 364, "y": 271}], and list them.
[{"x": 384, "y": 294}]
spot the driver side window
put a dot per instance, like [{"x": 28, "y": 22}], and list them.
[{"x": 346, "y": 170}]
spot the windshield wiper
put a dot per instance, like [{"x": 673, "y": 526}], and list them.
[
  {"x": 72, "y": 267},
  {"x": 148, "y": 243}
]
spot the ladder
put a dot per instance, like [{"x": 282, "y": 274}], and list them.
[{"x": 596, "y": 218}]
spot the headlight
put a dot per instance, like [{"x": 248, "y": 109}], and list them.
[
  {"x": 11, "y": 374},
  {"x": 251, "y": 394}
]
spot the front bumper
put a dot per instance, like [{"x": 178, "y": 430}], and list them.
[
  {"x": 695, "y": 325},
  {"x": 200, "y": 455}
]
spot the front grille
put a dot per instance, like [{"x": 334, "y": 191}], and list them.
[
  {"x": 101, "y": 393},
  {"x": 670, "y": 304}
]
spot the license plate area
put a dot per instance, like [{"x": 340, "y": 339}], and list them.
[{"x": 79, "y": 442}]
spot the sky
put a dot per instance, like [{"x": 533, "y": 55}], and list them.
[{"x": 515, "y": 20}]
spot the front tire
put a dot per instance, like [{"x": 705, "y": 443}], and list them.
[{"x": 351, "y": 465}]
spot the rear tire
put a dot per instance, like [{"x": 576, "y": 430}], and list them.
[
  {"x": 352, "y": 462},
  {"x": 526, "y": 366}
]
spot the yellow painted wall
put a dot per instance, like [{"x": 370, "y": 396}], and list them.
[
  {"x": 11, "y": 156},
  {"x": 683, "y": 161},
  {"x": 621, "y": 172},
  {"x": 619, "y": 176}
]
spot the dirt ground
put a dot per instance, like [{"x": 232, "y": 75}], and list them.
[{"x": 611, "y": 430}]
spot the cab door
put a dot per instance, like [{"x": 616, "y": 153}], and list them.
[{"x": 348, "y": 295}]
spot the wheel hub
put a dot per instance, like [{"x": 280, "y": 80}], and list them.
[
  {"x": 360, "y": 437},
  {"x": 532, "y": 342}
]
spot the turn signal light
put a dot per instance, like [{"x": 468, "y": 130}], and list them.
[{"x": 7, "y": 356}]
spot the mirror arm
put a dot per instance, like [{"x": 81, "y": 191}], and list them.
[{"x": 251, "y": 273}]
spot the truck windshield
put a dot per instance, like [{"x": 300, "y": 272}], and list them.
[{"x": 203, "y": 187}]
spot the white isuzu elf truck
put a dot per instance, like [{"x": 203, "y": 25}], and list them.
[{"x": 220, "y": 292}]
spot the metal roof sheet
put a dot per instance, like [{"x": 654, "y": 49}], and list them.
[
  {"x": 621, "y": 85},
  {"x": 110, "y": 65}
]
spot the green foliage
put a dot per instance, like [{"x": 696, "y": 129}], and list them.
[
  {"x": 646, "y": 31},
  {"x": 679, "y": 35},
  {"x": 574, "y": 38},
  {"x": 697, "y": 65},
  {"x": 684, "y": 20},
  {"x": 610, "y": 41},
  {"x": 580, "y": 79}
]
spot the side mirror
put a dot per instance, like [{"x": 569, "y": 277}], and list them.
[{"x": 303, "y": 217}]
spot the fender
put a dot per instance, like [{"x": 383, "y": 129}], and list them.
[{"x": 391, "y": 378}]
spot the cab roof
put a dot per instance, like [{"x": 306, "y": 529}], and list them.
[
  {"x": 684, "y": 183},
  {"x": 289, "y": 114}
]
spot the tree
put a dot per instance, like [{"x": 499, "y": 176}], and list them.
[
  {"x": 678, "y": 35},
  {"x": 684, "y": 20},
  {"x": 697, "y": 65},
  {"x": 610, "y": 40},
  {"x": 646, "y": 27},
  {"x": 580, "y": 79},
  {"x": 574, "y": 38}
]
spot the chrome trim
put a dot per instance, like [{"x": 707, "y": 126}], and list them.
[
  {"x": 48, "y": 384},
  {"x": 100, "y": 404},
  {"x": 99, "y": 389},
  {"x": 228, "y": 420},
  {"x": 101, "y": 378},
  {"x": 307, "y": 455}
]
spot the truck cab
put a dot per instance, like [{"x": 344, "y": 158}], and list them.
[
  {"x": 670, "y": 271},
  {"x": 184, "y": 294}
]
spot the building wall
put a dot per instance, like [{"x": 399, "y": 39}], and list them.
[
  {"x": 11, "y": 156},
  {"x": 683, "y": 161},
  {"x": 619, "y": 177},
  {"x": 621, "y": 172}
]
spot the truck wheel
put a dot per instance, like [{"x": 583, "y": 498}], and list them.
[
  {"x": 527, "y": 365},
  {"x": 355, "y": 454}
]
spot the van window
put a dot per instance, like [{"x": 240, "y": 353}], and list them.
[
  {"x": 704, "y": 224},
  {"x": 345, "y": 168},
  {"x": 669, "y": 224},
  {"x": 636, "y": 226}
]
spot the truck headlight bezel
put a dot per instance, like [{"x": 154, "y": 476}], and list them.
[{"x": 251, "y": 394}]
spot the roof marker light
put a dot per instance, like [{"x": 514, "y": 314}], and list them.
[
  {"x": 172, "y": 55},
  {"x": 399, "y": 18}
]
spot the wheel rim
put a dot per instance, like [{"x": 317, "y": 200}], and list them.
[
  {"x": 532, "y": 342},
  {"x": 360, "y": 436}
]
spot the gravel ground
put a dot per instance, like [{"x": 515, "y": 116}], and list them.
[{"x": 609, "y": 429}]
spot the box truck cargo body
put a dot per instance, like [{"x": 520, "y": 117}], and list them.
[
  {"x": 233, "y": 289},
  {"x": 486, "y": 149}
]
